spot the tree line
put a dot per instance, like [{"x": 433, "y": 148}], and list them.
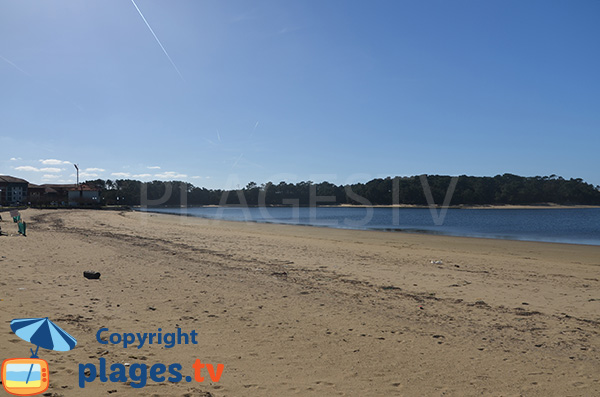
[{"x": 470, "y": 190}]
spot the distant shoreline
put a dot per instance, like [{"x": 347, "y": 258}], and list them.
[
  {"x": 419, "y": 220},
  {"x": 471, "y": 207}
]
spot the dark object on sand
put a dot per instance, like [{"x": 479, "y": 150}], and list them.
[
  {"x": 92, "y": 275},
  {"x": 22, "y": 228}
]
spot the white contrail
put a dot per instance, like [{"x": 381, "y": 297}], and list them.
[
  {"x": 59, "y": 93},
  {"x": 28, "y": 74},
  {"x": 218, "y": 135},
  {"x": 158, "y": 41},
  {"x": 237, "y": 161},
  {"x": 255, "y": 126},
  {"x": 14, "y": 65}
]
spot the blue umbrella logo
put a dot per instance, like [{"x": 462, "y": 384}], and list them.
[{"x": 42, "y": 332}]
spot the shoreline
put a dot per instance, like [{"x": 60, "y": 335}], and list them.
[{"x": 406, "y": 230}]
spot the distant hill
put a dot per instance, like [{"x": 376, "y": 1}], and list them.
[{"x": 470, "y": 190}]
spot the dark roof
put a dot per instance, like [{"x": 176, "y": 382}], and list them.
[
  {"x": 84, "y": 187},
  {"x": 71, "y": 187},
  {"x": 33, "y": 188},
  {"x": 59, "y": 186},
  {"x": 11, "y": 179}
]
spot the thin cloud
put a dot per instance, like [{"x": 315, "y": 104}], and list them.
[
  {"x": 142, "y": 175},
  {"x": 83, "y": 174},
  {"x": 170, "y": 174},
  {"x": 157, "y": 40},
  {"x": 154, "y": 167},
  {"x": 50, "y": 169},
  {"x": 49, "y": 176},
  {"x": 54, "y": 162},
  {"x": 95, "y": 169},
  {"x": 287, "y": 30},
  {"x": 27, "y": 168},
  {"x": 121, "y": 174},
  {"x": 15, "y": 158}
]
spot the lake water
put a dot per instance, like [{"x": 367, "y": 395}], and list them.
[{"x": 576, "y": 226}]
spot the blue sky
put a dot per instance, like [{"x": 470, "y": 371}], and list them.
[{"x": 261, "y": 91}]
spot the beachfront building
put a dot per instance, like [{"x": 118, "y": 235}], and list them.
[
  {"x": 48, "y": 194},
  {"x": 13, "y": 191},
  {"x": 16, "y": 191},
  {"x": 61, "y": 195},
  {"x": 83, "y": 195},
  {"x": 35, "y": 193},
  {"x": 55, "y": 194}
]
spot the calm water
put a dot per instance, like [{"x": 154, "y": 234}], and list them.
[{"x": 578, "y": 226}]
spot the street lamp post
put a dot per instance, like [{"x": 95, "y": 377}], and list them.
[
  {"x": 77, "y": 168},
  {"x": 80, "y": 191}
]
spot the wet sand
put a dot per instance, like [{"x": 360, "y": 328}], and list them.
[{"x": 293, "y": 310}]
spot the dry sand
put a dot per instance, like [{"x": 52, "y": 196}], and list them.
[{"x": 293, "y": 310}]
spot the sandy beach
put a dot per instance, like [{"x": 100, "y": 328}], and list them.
[{"x": 298, "y": 311}]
